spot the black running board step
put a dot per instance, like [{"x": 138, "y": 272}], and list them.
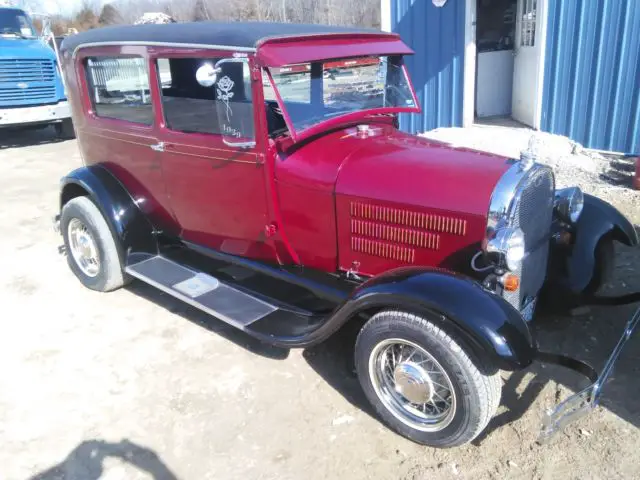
[{"x": 202, "y": 291}]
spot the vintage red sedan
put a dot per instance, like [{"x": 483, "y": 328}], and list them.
[{"x": 256, "y": 171}]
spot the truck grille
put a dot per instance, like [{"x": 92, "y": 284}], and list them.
[
  {"x": 14, "y": 71},
  {"x": 24, "y": 82},
  {"x": 532, "y": 212},
  {"x": 32, "y": 93}
]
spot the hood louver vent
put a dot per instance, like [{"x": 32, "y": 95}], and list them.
[{"x": 395, "y": 233}]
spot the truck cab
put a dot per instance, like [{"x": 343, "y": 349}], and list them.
[{"x": 32, "y": 93}]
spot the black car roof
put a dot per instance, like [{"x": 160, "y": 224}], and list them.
[{"x": 245, "y": 35}]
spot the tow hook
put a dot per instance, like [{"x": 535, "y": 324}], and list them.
[
  {"x": 56, "y": 224},
  {"x": 579, "y": 404}
]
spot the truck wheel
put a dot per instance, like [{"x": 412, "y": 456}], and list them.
[
  {"x": 64, "y": 129},
  {"x": 422, "y": 381},
  {"x": 91, "y": 249}
]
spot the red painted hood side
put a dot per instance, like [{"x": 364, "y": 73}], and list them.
[
  {"x": 405, "y": 169},
  {"x": 389, "y": 200}
]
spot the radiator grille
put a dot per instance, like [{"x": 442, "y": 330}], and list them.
[
  {"x": 533, "y": 212},
  {"x": 27, "y": 81},
  {"x": 33, "y": 93},
  {"x": 26, "y": 71}
]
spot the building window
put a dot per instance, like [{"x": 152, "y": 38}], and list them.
[
  {"x": 528, "y": 24},
  {"x": 120, "y": 88},
  {"x": 224, "y": 108}
]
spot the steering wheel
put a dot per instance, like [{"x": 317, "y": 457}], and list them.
[{"x": 273, "y": 106}]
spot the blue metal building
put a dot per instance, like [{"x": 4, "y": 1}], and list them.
[{"x": 565, "y": 67}]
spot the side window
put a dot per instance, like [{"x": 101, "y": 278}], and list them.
[
  {"x": 120, "y": 88},
  {"x": 224, "y": 108}
]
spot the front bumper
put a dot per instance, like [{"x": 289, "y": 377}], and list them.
[
  {"x": 579, "y": 404},
  {"x": 13, "y": 117}
]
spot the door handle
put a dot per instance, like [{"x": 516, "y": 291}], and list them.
[{"x": 158, "y": 147}]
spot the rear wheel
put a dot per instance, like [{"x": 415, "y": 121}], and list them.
[
  {"x": 91, "y": 249},
  {"x": 423, "y": 382}
]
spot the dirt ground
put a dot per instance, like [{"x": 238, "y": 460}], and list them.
[{"x": 134, "y": 384}]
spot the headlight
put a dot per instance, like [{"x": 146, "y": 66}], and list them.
[
  {"x": 569, "y": 203},
  {"x": 508, "y": 242}
]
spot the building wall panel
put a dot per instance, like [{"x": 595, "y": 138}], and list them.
[
  {"x": 592, "y": 73},
  {"x": 436, "y": 34}
]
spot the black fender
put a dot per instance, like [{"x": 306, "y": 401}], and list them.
[
  {"x": 598, "y": 219},
  {"x": 131, "y": 228},
  {"x": 489, "y": 324}
]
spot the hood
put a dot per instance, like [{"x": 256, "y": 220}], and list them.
[
  {"x": 391, "y": 166},
  {"x": 20, "y": 48}
]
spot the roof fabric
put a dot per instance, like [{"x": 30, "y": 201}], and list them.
[{"x": 246, "y": 35}]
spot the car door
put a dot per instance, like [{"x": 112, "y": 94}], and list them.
[
  {"x": 528, "y": 61},
  {"x": 118, "y": 131},
  {"x": 215, "y": 173}
]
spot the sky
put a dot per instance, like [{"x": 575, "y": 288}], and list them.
[{"x": 63, "y": 7}]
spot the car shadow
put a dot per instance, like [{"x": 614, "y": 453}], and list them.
[
  {"x": 27, "y": 137},
  {"x": 621, "y": 171},
  {"x": 206, "y": 321},
  {"x": 85, "y": 462}
]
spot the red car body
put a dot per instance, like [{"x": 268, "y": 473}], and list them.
[
  {"x": 269, "y": 208},
  {"x": 288, "y": 227}
]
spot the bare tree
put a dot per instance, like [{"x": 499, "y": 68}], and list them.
[{"x": 110, "y": 15}]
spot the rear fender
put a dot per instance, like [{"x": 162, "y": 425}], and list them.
[
  {"x": 491, "y": 326},
  {"x": 598, "y": 219},
  {"x": 130, "y": 227}
]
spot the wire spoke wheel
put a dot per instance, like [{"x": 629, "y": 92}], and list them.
[
  {"x": 412, "y": 385},
  {"x": 83, "y": 248}
]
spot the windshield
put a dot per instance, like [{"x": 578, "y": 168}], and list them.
[
  {"x": 15, "y": 23},
  {"x": 315, "y": 92}
]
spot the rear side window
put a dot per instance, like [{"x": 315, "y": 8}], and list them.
[
  {"x": 224, "y": 108},
  {"x": 120, "y": 88}
]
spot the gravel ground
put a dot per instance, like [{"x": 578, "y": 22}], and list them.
[{"x": 134, "y": 384}]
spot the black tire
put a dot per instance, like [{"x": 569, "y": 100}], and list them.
[
  {"x": 110, "y": 275},
  {"x": 477, "y": 388},
  {"x": 603, "y": 267},
  {"x": 64, "y": 129}
]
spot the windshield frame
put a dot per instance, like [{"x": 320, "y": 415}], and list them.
[
  {"x": 16, "y": 12},
  {"x": 337, "y": 120}
]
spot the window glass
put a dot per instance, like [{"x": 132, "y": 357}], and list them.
[
  {"x": 313, "y": 93},
  {"x": 224, "y": 108},
  {"x": 120, "y": 88},
  {"x": 528, "y": 26},
  {"x": 15, "y": 23}
]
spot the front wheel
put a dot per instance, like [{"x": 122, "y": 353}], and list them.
[{"x": 421, "y": 380}]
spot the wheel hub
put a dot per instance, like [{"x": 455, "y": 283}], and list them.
[
  {"x": 83, "y": 248},
  {"x": 413, "y": 383}
]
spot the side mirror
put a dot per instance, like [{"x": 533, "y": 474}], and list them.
[{"x": 207, "y": 74}]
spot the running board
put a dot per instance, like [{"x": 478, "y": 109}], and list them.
[{"x": 202, "y": 291}]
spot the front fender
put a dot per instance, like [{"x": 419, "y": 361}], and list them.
[
  {"x": 131, "y": 229},
  {"x": 490, "y": 324},
  {"x": 598, "y": 219}
]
